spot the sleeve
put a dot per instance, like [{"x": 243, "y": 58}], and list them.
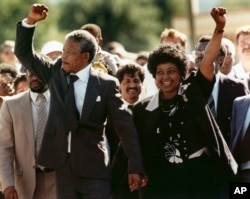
[
  {"x": 24, "y": 50},
  {"x": 200, "y": 84},
  {"x": 125, "y": 128},
  {"x": 6, "y": 147}
]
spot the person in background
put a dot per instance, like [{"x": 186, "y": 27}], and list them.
[
  {"x": 174, "y": 36},
  {"x": 21, "y": 176},
  {"x": 142, "y": 58},
  {"x": 122, "y": 55},
  {"x": 53, "y": 49},
  {"x": 7, "y": 75},
  {"x": 81, "y": 100},
  {"x": 242, "y": 69},
  {"x": 7, "y": 55},
  {"x": 174, "y": 126},
  {"x": 20, "y": 84},
  {"x": 225, "y": 89},
  {"x": 131, "y": 77},
  {"x": 227, "y": 66},
  {"x": 102, "y": 57}
]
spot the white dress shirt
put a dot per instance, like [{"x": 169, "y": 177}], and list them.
[{"x": 80, "y": 85}]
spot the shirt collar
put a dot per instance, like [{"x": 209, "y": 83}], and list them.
[
  {"x": 217, "y": 77},
  {"x": 83, "y": 74},
  {"x": 154, "y": 102},
  {"x": 34, "y": 95},
  {"x": 127, "y": 103}
]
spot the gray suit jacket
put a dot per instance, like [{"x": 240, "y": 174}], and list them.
[
  {"x": 240, "y": 108},
  {"x": 88, "y": 149},
  {"x": 17, "y": 143}
]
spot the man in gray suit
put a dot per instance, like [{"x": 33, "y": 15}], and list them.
[
  {"x": 79, "y": 154},
  {"x": 21, "y": 177}
]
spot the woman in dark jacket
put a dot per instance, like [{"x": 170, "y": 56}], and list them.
[{"x": 175, "y": 131}]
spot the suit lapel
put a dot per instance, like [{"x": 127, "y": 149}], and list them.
[
  {"x": 63, "y": 75},
  {"x": 92, "y": 92},
  {"x": 25, "y": 109}
]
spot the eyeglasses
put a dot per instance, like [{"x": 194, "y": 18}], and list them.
[
  {"x": 3, "y": 86},
  {"x": 5, "y": 79}
]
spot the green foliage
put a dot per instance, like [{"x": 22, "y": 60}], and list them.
[
  {"x": 135, "y": 23},
  {"x": 139, "y": 22}
]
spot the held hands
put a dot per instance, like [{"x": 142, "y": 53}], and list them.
[
  {"x": 37, "y": 13},
  {"x": 136, "y": 182},
  {"x": 219, "y": 17}
]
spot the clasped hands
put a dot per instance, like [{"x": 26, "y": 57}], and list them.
[{"x": 135, "y": 181}]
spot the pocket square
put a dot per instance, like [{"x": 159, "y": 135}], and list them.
[{"x": 98, "y": 99}]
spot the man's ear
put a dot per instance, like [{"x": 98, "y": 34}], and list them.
[{"x": 100, "y": 41}]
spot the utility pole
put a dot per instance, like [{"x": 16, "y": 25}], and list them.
[{"x": 192, "y": 12}]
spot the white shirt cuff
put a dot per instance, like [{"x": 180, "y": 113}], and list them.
[{"x": 24, "y": 24}]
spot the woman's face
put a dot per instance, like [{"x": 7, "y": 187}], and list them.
[{"x": 168, "y": 79}]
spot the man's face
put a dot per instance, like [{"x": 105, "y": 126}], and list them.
[
  {"x": 130, "y": 87},
  {"x": 228, "y": 62},
  {"x": 72, "y": 58},
  {"x": 7, "y": 55},
  {"x": 243, "y": 45},
  {"x": 199, "y": 52},
  {"x": 35, "y": 84},
  {"x": 6, "y": 84}
]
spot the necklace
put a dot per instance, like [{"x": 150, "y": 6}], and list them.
[{"x": 169, "y": 107}]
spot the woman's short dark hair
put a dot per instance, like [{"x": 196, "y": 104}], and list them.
[
  {"x": 86, "y": 41},
  {"x": 168, "y": 53}
]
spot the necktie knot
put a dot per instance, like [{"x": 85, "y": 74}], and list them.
[
  {"x": 40, "y": 98},
  {"x": 73, "y": 78},
  {"x": 130, "y": 107}
]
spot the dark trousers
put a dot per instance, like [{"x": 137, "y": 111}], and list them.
[{"x": 71, "y": 186}]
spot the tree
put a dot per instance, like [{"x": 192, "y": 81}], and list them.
[{"x": 136, "y": 24}]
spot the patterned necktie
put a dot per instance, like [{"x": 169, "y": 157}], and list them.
[
  {"x": 72, "y": 114},
  {"x": 212, "y": 105},
  {"x": 41, "y": 121}
]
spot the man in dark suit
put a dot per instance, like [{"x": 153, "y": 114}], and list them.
[
  {"x": 79, "y": 154},
  {"x": 225, "y": 89}
]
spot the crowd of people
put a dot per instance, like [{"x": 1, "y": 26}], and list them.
[{"x": 79, "y": 122}]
